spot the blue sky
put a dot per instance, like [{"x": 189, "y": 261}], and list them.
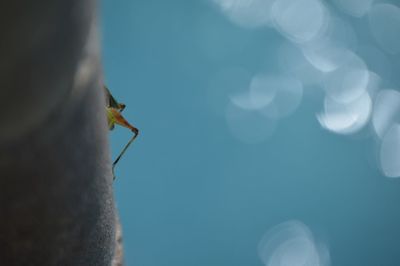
[{"x": 217, "y": 164}]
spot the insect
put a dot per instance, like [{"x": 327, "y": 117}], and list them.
[{"x": 114, "y": 116}]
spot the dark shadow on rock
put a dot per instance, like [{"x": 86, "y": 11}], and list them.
[{"x": 56, "y": 199}]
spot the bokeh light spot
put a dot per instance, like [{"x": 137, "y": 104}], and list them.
[
  {"x": 356, "y": 8},
  {"x": 346, "y": 118},
  {"x": 227, "y": 82},
  {"x": 247, "y": 13},
  {"x": 390, "y": 152},
  {"x": 386, "y": 111},
  {"x": 348, "y": 82},
  {"x": 261, "y": 89},
  {"x": 374, "y": 84},
  {"x": 325, "y": 56},
  {"x": 249, "y": 126},
  {"x": 384, "y": 20},
  {"x": 288, "y": 95},
  {"x": 330, "y": 50},
  {"x": 293, "y": 63},
  {"x": 376, "y": 61},
  {"x": 290, "y": 244},
  {"x": 301, "y": 20},
  {"x": 259, "y": 95}
]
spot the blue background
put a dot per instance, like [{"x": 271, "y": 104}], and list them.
[{"x": 189, "y": 193}]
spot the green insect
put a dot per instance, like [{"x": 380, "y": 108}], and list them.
[{"x": 114, "y": 116}]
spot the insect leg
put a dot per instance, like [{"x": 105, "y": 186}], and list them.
[{"x": 123, "y": 151}]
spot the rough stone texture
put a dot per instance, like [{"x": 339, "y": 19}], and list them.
[
  {"x": 56, "y": 201},
  {"x": 118, "y": 259}
]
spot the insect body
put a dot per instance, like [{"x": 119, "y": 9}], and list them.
[{"x": 114, "y": 116}]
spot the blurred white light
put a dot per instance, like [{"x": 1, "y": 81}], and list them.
[
  {"x": 374, "y": 84},
  {"x": 324, "y": 254},
  {"x": 376, "y": 60},
  {"x": 330, "y": 50},
  {"x": 247, "y": 13},
  {"x": 259, "y": 95},
  {"x": 348, "y": 82},
  {"x": 227, "y": 82},
  {"x": 356, "y": 8},
  {"x": 261, "y": 89},
  {"x": 292, "y": 62},
  {"x": 291, "y": 244},
  {"x": 288, "y": 96},
  {"x": 244, "y": 101},
  {"x": 386, "y": 111},
  {"x": 325, "y": 56},
  {"x": 300, "y": 20},
  {"x": 346, "y": 118},
  {"x": 249, "y": 126},
  {"x": 298, "y": 251},
  {"x": 384, "y": 20},
  {"x": 390, "y": 152}
]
